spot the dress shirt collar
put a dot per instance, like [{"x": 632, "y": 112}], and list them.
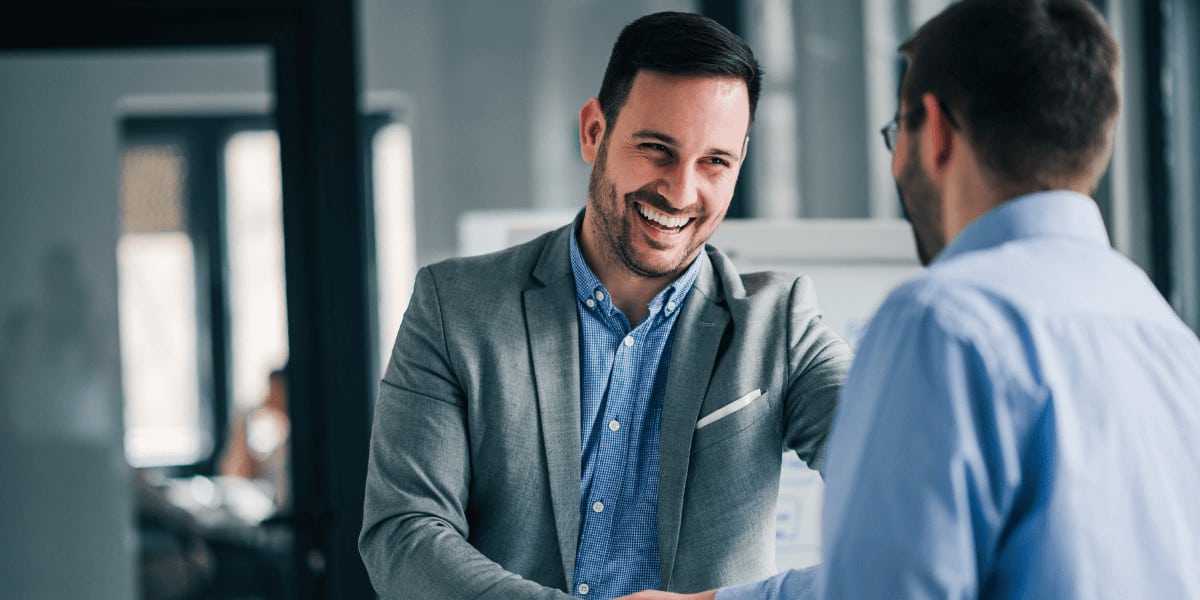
[{"x": 1059, "y": 213}]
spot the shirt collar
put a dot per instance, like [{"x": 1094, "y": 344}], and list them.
[
  {"x": 1058, "y": 213},
  {"x": 589, "y": 287}
]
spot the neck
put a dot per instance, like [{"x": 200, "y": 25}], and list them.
[
  {"x": 968, "y": 193},
  {"x": 631, "y": 293}
]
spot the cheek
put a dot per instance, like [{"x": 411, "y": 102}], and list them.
[
  {"x": 714, "y": 210},
  {"x": 718, "y": 193},
  {"x": 634, "y": 176}
]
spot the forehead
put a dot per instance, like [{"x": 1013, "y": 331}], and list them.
[{"x": 704, "y": 109}]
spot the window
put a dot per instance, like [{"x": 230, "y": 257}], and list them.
[
  {"x": 201, "y": 267},
  {"x": 395, "y": 251},
  {"x": 157, "y": 304},
  {"x": 254, "y": 238}
]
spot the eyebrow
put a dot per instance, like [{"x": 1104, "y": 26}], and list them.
[{"x": 662, "y": 137}]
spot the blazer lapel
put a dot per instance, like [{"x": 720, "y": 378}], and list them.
[
  {"x": 552, "y": 327},
  {"x": 697, "y": 336}
]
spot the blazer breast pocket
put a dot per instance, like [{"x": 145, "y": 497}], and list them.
[{"x": 730, "y": 419}]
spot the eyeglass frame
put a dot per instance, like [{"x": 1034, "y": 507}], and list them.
[{"x": 891, "y": 130}]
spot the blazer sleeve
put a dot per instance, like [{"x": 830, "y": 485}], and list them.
[
  {"x": 414, "y": 535},
  {"x": 818, "y": 362}
]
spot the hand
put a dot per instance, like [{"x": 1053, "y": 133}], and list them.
[{"x": 656, "y": 595}]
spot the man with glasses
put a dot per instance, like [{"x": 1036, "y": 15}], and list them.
[{"x": 1021, "y": 420}]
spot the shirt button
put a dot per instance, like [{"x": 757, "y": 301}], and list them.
[
  {"x": 613, "y": 425},
  {"x": 670, "y": 306},
  {"x": 590, "y": 303},
  {"x": 600, "y": 295},
  {"x": 598, "y": 506},
  {"x": 583, "y": 589},
  {"x": 629, "y": 340}
]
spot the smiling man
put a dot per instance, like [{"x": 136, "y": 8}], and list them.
[
  {"x": 602, "y": 410},
  {"x": 676, "y": 149}
]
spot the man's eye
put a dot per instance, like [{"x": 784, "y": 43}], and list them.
[
  {"x": 655, "y": 147},
  {"x": 718, "y": 161}
]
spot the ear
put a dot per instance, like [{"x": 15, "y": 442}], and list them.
[
  {"x": 591, "y": 129},
  {"x": 940, "y": 137},
  {"x": 745, "y": 149}
]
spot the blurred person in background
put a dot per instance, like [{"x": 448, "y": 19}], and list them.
[{"x": 258, "y": 441}]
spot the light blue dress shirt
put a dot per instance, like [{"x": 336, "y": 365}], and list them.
[
  {"x": 1021, "y": 421},
  {"x": 624, "y": 373}
]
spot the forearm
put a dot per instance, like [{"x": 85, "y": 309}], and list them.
[
  {"x": 799, "y": 584},
  {"x": 414, "y": 516},
  {"x": 423, "y": 557}
]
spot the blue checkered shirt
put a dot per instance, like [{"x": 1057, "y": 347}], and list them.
[{"x": 624, "y": 380}]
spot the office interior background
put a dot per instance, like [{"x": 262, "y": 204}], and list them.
[{"x": 195, "y": 194}]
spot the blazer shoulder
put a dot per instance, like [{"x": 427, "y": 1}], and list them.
[
  {"x": 771, "y": 283},
  {"x": 755, "y": 286},
  {"x": 513, "y": 265}
]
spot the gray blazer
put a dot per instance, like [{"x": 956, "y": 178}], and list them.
[{"x": 473, "y": 483}]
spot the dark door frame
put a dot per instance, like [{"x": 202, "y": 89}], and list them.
[{"x": 325, "y": 225}]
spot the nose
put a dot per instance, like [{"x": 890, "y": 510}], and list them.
[{"x": 681, "y": 186}]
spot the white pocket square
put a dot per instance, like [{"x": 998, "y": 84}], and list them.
[{"x": 728, "y": 409}]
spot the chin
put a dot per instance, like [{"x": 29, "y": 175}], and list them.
[{"x": 655, "y": 265}]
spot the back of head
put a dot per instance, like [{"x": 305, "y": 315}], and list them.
[
  {"x": 1033, "y": 83},
  {"x": 676, "y": 43}
]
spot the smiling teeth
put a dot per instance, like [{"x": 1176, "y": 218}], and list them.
[{"x": 661, "y": 218}]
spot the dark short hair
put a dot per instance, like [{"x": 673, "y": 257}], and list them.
[
  {"x": 1033, "y": 82},
  {"x": 676, "y": 43}
]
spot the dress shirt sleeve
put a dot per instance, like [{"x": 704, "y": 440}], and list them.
[
  {"x": 923, "y": 459},
  {"x": 798, "y": 584},
  {"x": 413, "y": 540},
  {"x": 818, "y": 361}
]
